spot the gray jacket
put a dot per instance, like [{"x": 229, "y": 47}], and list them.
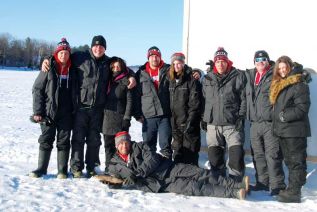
[
  {"x": 224, "y": 98},
  {"x": 150, "y": 102},
  {"x": 259, "y": 108}
]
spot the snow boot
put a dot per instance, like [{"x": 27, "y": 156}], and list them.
[
  {"x": 62, "y": 163},
  {"x": 289, "y": 196},
  {"x": 43, "y": 160}
]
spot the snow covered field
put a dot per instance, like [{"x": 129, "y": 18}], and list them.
[{"x": 18, "y": 156}]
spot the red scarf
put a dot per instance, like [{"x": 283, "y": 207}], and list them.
[
  {"x": 154, "y": 73},
  {"x": 125, "y": 158},
  {"x": 259, "y": 76}
]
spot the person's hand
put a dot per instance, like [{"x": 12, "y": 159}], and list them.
[
  {"x": 125, "y": 124},
  {"x": 37, "y": 118},
  {"x": 203, "y": 126},
  {"x": 131, "y": 180},
  {"x": 132, "y": 83},
  {"x": 45, "y": 65},
  {"x": 239, "y": 124},
  {"x": 196, "y": 75}
]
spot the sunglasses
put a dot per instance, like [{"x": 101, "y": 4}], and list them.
[{"x": 261, "y": 59}]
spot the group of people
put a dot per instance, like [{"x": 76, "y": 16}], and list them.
[{"x": 88, "y": 93}]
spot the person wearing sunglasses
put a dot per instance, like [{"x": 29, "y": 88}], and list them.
[{"x": 265, "y": 149}]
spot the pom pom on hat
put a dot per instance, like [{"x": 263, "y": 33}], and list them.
[
  {"x": 62, "y": 45},
  {"x": 221, "y": 54}
]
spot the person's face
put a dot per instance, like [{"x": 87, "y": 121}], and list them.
[
  {"x": 178, "y": 66},
  {"x": 283, "y": 69},
  {"x": 98, "y": 51},
  {"x": 63, "y": 56},
  {"x": 154, "y": 61},
  {"x": 124, "y": 147},
  {"x": 115, "y": 67},
  {"x": 261, "y": 64},
  {"x": 221, "y": 66}
]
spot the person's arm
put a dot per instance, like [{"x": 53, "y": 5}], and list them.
[
  {"x": 151, "y": 160},
  {"x": 194, "y": 106},
  {"x": 38, "y": 93},
  {"x": 46, "y": 64},
  {"x": 300, "y": 107}
]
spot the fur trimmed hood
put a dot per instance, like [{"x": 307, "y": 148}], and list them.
[{"x": 279, "y": 85}]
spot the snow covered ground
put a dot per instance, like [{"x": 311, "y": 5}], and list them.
[{"x": 18, "y": 156}]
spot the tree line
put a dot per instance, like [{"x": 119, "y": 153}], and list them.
[{"x": 26, "y": 53}]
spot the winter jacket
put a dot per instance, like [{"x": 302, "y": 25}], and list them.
[
  {"x": 93, "y": 76},
  {"x": 118, "y": 105},
  {"x": 224, "y": 98},
  {"x": 291, "y": 102},
  {"x": 185, "y": 99},
  {"x": 150, "y": 102},
  {"x": 50, "y": 96},
  {"x": 149, "y": 166},
  {"x": 259, "y": 108}
]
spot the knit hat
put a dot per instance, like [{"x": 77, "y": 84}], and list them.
[
  {"x": 221, "y": 54},
  {"x": 178, "y": 56},
  {"x": 63, "y": 45},
  {"x": 99, "y": 40},
  {"x": 121, "y": 136},
  {"x": 154, "y": 51},
  {"x": 261, "y": 53}
]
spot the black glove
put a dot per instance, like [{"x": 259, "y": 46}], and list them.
[
  {"x": 239, "y": 124},
  {"x": 125, "y": 124},
  {"x": 203, "y": 126},
  {"x": 131, "y": 180}
]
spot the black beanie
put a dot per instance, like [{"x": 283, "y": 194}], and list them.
[
  {"x": 99, "y": 40},
  {"x": 261, "y": 53}
]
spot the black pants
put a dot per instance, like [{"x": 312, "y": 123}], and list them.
[
  {"x": 267, "y": 155},
  {"x": 61, "y": 129},
  {"x": 110, "y": 148},
  {"x": 185, "y": 146},
  {"x": 294, "y": 153},
  {"x": 87, "y": 127}
]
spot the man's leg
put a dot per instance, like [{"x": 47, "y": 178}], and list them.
[
  {"x": 165, "y": 137},
  {"x": 150, "y": 131}
]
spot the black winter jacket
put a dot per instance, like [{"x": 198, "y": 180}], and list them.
[
  {"x": 185, "y": 98},
  {"x": 93, "y": 76},
  {"x": 151, "y": 103},
  {"x": 118, "y": 106},
  {"x": 224, "y": 98},
  {"x": 47, "y": 93},
  {"x": 259, "y": 108},
  {"x": 291, "y": 102}
]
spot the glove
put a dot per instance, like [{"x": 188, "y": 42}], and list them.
[
  {"x": 126, "y": 125},
  {"x": 131, "y": 180},
  {"x": 203, "y": 126},
  {"x": 45, "y": 120},
  {"x": 239, "y": 124}
]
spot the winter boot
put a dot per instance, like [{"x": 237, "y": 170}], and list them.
[
  {"x": 289, "y": 196},
  {"x": 259, "y": 187},
  {"x": 43, "y": 160},
  {"x": 62, "y": 163}
]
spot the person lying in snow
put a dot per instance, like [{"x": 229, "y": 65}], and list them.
[{"x": 143, "y": 169}]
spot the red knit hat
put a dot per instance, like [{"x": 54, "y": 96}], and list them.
[
  {"x": 121, "y": 136},
  {"x": 154, "y": 51},
  {"x": 221, "y": 54},
  {"x": 63, "y": 45},
  {"x": 178, "y": 56}
]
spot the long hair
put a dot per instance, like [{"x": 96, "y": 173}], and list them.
[
  {"x": 122, "y": 63},
  {"x": 172, "y": 72},
  {"x": 283, "y": 59}
]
